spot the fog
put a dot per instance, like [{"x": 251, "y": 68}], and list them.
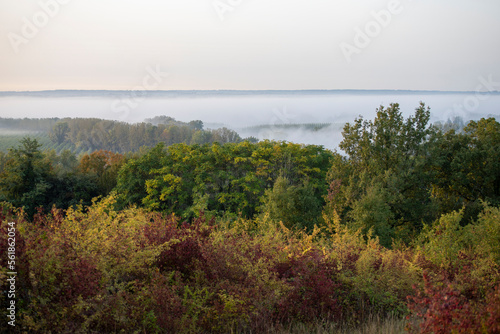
[{"x": 243, "y": 111}]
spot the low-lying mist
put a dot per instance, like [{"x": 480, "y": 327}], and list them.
[{"x": 242, "y": 112}]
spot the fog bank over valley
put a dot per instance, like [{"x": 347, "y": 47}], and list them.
[{"x": 308, "y": 117}]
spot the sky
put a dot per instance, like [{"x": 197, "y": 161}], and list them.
[{"x": 248, "y": 44}]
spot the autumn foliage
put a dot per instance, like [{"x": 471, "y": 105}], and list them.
[{"x": 105, "y": 271}]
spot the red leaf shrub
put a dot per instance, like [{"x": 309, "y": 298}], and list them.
[
  {"x": 315, "y": 289},
  {"x": 442, "y": 308}
]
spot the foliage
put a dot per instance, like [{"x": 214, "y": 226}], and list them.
[
  {"x": 385, "y": 170},
  {"x": 295, "y": 205},
  {"x": 467, "y": 167},
  {"x": 229, "y": 178},
  {"x": 34, "y": 179},
  {"x": 223, "y": 235},
  {"x": 104, "y": 166},
  {"x": 59, "y": 132},
  {"x": 12, "y": 139},
  {"x": 86, "y": 135},
  {"x": 24, "y": 180},
  {"x": 461, "y": 293},
  {"x": 401, "y": 174},
  {"x": 443, "y": 308},
  {"x": 99, "y": 270}
]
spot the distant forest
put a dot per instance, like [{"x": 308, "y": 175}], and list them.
[{"x": 87, "y": 135}]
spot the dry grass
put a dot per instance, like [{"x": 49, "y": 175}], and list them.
[{"x": 375, "y": 325}]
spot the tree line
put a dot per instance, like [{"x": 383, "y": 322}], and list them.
[
  {"x": 86, "y": 135},
  {"x": 97, "y": 134}
]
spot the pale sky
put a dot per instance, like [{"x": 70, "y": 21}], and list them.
[{"x": 248, "y": 44}]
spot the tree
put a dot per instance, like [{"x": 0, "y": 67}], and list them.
[
  {"x": 59, "y": 132},
  {"x": 294, "y": 205},
  {"x": 104, "y": 165},
  {"x": 201, "y": 137},
  {"x": 25, "y": 180},
  {"x": 252, "y": 139},
  {"x": 393, "y": 154},
  {"x": 225, "y": 135},
  {"x": 196, "y": 125},
  {"x": 373, "y": 212},
  {"x": 467, "y": 167},
  {"x": 230, "y": 178},
  {"x": 132, "y": 177}
]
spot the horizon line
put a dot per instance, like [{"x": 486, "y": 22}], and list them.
[{"x": 246, "y": 91}]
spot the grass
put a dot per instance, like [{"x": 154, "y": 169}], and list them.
[{"x": 374, "y": 325}]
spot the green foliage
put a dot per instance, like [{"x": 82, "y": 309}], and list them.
[
  {"x": 467, "y": 167},
  {"x": 104, "y": 167},
  {"x": 59, "y": 132},
  {"x": 229, "y": 178},
  {"x": 372, "y": 213},
  {"x": 400, "y": 174},
  {"x": 86, "y": 135},
  {"x": 12, "y": 139},
  {"x": 444, "y": 240},
  {"x": 25, "y": 178},
  {"x": 34, "y": 179},
  {"x": 484, "y": 234},
  {"x": 294, "y": 205},
  {"x": 385, "y": 171}
]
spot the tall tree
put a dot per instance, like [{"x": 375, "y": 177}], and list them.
[
  {"x": 386, "y": 161},
  {"x": 25, "y": 180},
  {"x": 59, "y": 132}
]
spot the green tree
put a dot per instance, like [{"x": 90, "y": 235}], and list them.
[
  {"x": 59, "y": 132},
  {"x": 230, "y": 178},
  {"x": 391, "y": 153},
  {"x": 25, "y": 180},
  {"x": 196, "y": 125},
  {"x": 467, "y": 167},
  {"x": 201, "y": 137},
  {"x": 294, "y": 205},
  {"x": 373, "y": 212},
  {"x": 104, "y": 167},
  {"x": 132, "y": 177}
]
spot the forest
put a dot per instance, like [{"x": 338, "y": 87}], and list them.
[
  {"x": 87, "y": 135},
  {"x": 165, "y": 227}
]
